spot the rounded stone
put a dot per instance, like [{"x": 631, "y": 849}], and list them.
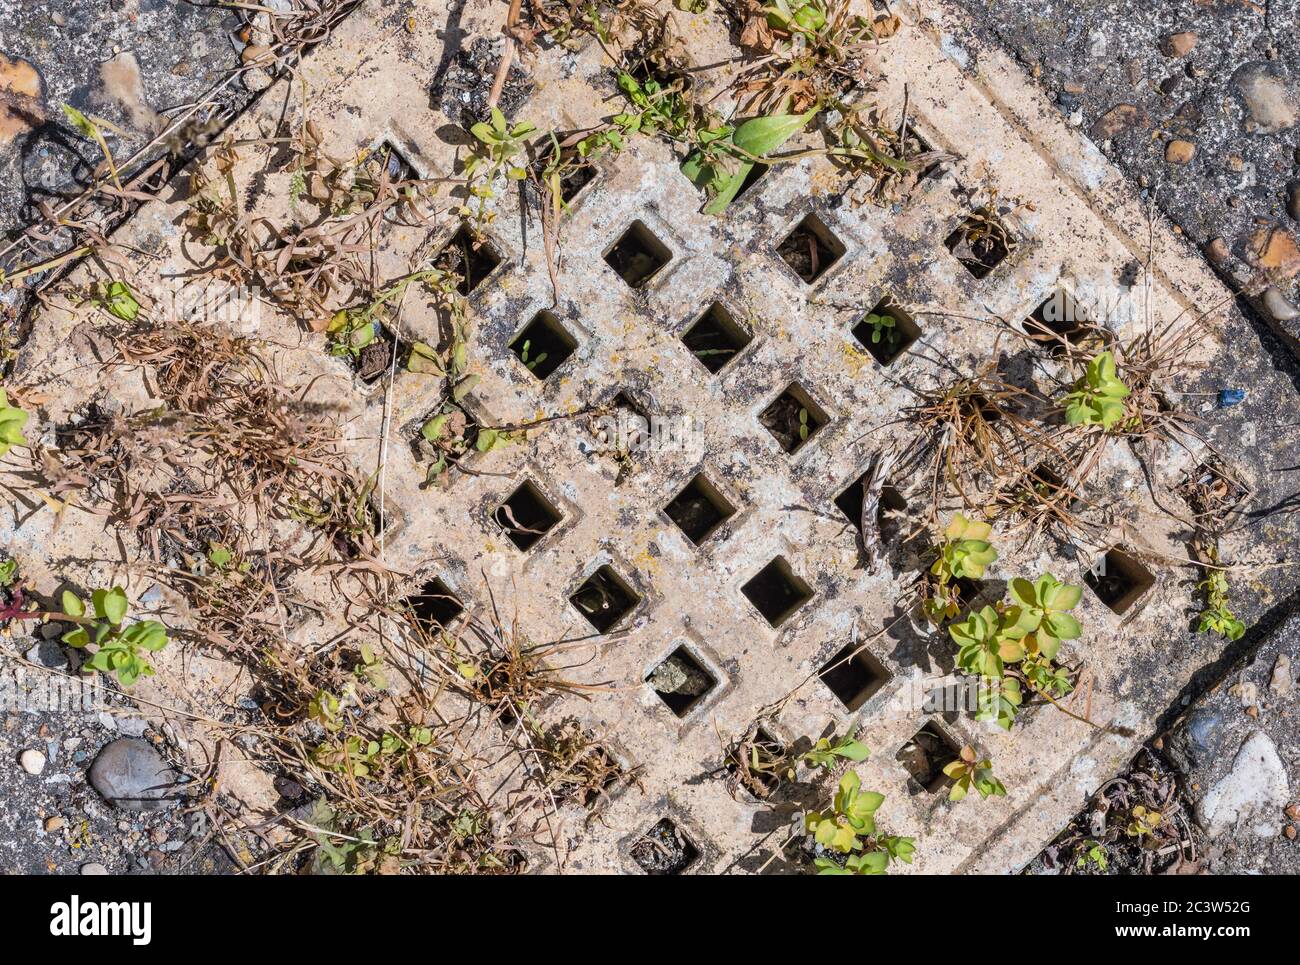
[
  {"x": 1180, "y": 44},
  {"x": 93, "y": 868},
  {"x": 1180, "y": 152},
  {"x": 33, "y": 762},
  {"x": 1278, "y": 307},
  {"x": 1271, "y": 103},
  {"x": 130, "y": 774}
]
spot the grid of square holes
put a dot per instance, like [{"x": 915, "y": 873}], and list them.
[{"x": 673, "y": 313}]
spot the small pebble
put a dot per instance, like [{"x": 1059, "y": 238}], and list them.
[
  {"x": 1293, "y": 812},
  {"x": 53, "y": 824},
  {"x": 33, "y": 762},
  {"x": 1180, "y": 152},
  {"x": 1180, "y": 44},
  {"x": 1290, "y": 832},
  {"x": 93, "y": 868}
]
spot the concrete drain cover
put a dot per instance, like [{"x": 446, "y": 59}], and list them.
[{"x": 691, "y": 404}]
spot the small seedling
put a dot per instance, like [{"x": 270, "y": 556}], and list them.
[
  {"x": 499, "y": 144},
  {"x": 118, "y": 300},
  {"x": 8, "y": 571},
  {"x": 969, "y": 771},
  {"x": 882, "y": 328},
  {"x": 849, "y": 828},
  {"x": 1097, "y": 399},
  {"x": 964, "y": 554},
  {"x": 1217, "y": 617},
  {"x": 12, "y": 420},
  {"x": 825, "y": 753},
  {"x": 533, "y": 361},
  {"x": 119, "y": 647},
  {"x": 1142, "y": 822},
  {"x": 1095, "y": 856}
]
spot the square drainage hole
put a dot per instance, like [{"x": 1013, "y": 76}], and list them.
[
  {"x": 638, "y": 255},
  {"x": 664, "y": 850},
  {"x": 526, "y": 516},
  {"x": 886, "y": 331},
  {"x": 980, "y": 243},
  {"x": 471, "y": 258},
  {"x": 435, "y": 605},
  {"x": 681, "y": 681},
  {"x": 574, "y": 179},
  {"x": 604, "y": 599},
  {"x": 810, "y": 249},
  {"x": 777, "y": 592},
  {"x": 543, "y": 345},
  {"x": 699, "y": 509},
  {"x": 926, "y": 754},
  {"x": 853, "y": 677},
  {"x": 892, "y": 505},
  {"x": 758, "y": 764},
  {"x": 1119, "y": 580},
  {"x": 793, "y": 418},
  {"x": 1059, "y": 322},
  {"x": 715, "y": 338},
  {"x": 389, "y": 161}
]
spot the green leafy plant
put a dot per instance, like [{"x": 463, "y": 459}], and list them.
[
  {"x": 1217, "y": 617},
  {"x": 8, "y": 572},
  {"x": 120, "y": 647},
  {"x": 848, "y": 827},
  {"x": 450, "y": 435},
  {"x": 12, "y": 420},
  {"x": 826, "y": 752},
  {"x": 1095, "y": 856},
  {"x": 118, "y": 300},
  {"x": 882, "y": 328},
  {"x": 362, "y": 756},
  {"x": 1009, "y": 646},
  {"x": 970, "y": 771},
  {"x": 964, "y": 554},
  {"x": 1097, "y": 399},
  {"x": 1142, "y": 822},
  {"x": 497, "y": 153},
  {"x": 1042, "y": 610},
  {"x": 725, "y": 156}
]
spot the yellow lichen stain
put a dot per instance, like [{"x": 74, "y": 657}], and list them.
[
  {"x": 855, "y": 360},
  {"x": 17, "y": 77},
  {"x": 647, "y": 561}
]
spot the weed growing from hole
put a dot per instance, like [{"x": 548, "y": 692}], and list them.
[
  {"x": 847, "y": 830},
  {"x": 970, "y": 771},
  {"x": 1097, "y": 399},
  {"x": 964, "y": 554},
  {"x": 1015, "y": 646},
  {"x": 450, "y": 435},
  {"x": 119, "y": 649}
]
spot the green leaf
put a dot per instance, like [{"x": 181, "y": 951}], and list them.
[
  {"x": 82, "y": 123},
  {"x": 763, "y": 135},
  {"x": 111, "y": 605},
  {"x": 423, "y": 360},
  {"x": 72, "y": 604}
]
